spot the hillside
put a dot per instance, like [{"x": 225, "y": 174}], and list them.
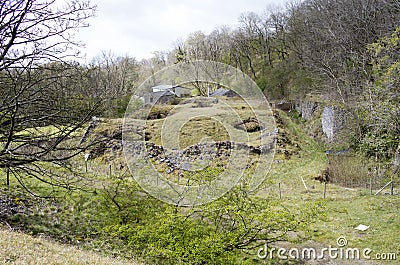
[
  {"x": 273, "y": 140},
  {"x": 117, "y": 215},
  {"x": 344, "y": 208},
  {"x": 19, "y": 248}
]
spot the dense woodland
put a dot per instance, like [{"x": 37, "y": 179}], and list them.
[{"x": 345, "y": 52}]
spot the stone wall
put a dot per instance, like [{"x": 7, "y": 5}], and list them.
[
  {"x": 333, "y": 117},
  {"x": 307, "y": 109}
]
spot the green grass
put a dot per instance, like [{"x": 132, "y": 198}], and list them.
[
  {"x": 189, "y": 121},
  {"x": 381, "y": 213},
  {"x": 199, "y": 129},
  {"x": 50, "y": 130},
  {"x": 344, "y": 208}
]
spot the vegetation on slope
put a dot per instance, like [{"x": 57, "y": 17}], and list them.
[
  {"x": 114, "y": 216},
  {"x": 345, "y": 52},
  {"x": 18, "y": 248}
]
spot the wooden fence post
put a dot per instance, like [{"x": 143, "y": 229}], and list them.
[
  {"x": 8, "y": 177},
  {"x": 391, "y": 186},
  {"x": 370, "y": 186},
  {"x": 279, "y": 190},
  {"x": 86, "y": 159}
]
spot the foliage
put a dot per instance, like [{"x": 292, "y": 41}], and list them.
[
  {"x": 329, "y": 39},
  {"x": 121, "y": 218},
  {"x": 217, "y": 233},
  {"x": 379, "y": 109},
  {"x": 314, "y": 45},
  {"x": 286, "y": 80}
]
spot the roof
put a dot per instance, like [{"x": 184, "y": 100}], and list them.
[
  {"x": 161, "y": 88},
  {"x": 219, "y": 92},
  {"x": 181, "y": 87},
  {"x": 163, "y": 93}
]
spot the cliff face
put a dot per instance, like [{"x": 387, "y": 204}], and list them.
[
  {"x": 307, "y": 109},
  {"x": 333, "y": 120}
]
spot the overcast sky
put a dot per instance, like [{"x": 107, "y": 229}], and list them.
[{"x": 138, "y": 28}]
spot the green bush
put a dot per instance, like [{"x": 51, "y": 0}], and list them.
[{"x": 217, "y": 233}]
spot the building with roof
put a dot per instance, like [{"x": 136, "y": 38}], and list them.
[
  {"x": 159, "y": 97},
  {"x": 161, "y": 88},
  {"x": 165, "y": 94},
  {"x": 222, "y": 92}
]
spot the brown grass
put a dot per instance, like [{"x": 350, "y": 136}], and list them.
[
  {"x": 348, "y": 170},
  {"x": 18, "y": 248}
]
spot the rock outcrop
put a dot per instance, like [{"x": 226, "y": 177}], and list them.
[{"x": 333, "y": 121}]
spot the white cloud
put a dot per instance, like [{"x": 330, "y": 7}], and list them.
[{"x": 137, "y": 28}]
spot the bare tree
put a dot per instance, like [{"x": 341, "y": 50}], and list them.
[
  {"x": 112, "y": 78},
  {"x": 330, "y": 38},
  {"x": 39, "y": 115}
]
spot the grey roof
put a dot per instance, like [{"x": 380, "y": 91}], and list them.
[
  {"x": 219, "y": 92},
  {"x": 161, "y": 88},
  {"x": 163, "y": 93}
]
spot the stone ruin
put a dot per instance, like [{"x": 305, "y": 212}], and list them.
[
  {"x": 307, "y": 109},
  {"x": 184, "y": 159},
  {"x": 333, "y": 118},
  {"x": 333, "y": 121}
]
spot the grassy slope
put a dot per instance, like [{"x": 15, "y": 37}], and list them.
[
  {"x": 345, "y": 208},
  {"x": 18, "y": 248}
]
